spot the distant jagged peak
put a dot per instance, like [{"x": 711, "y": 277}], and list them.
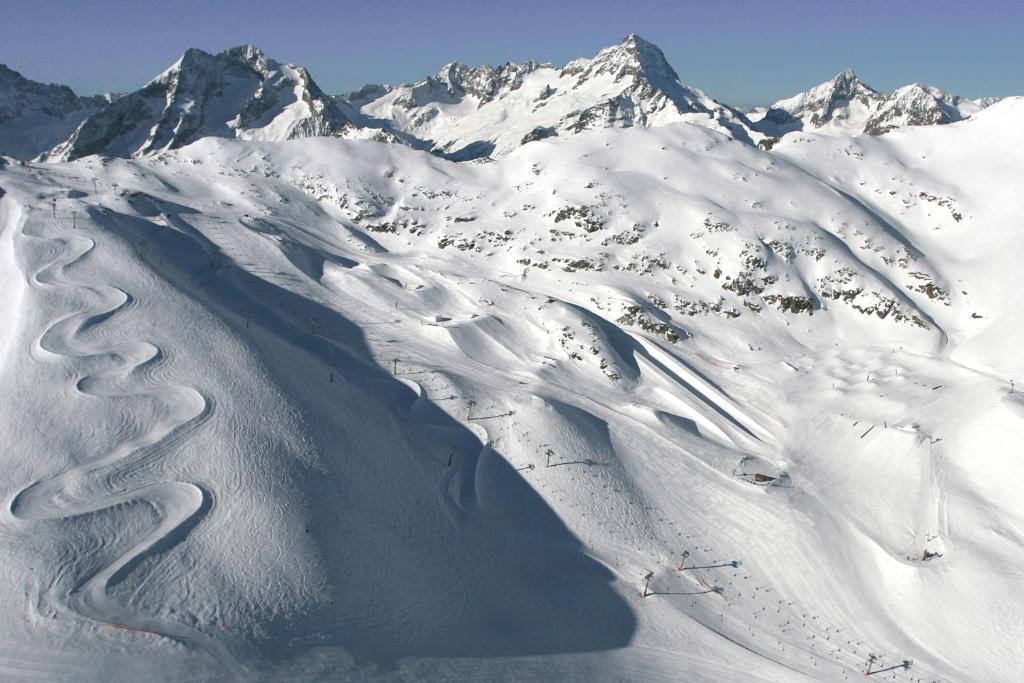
[
  {"x": 633, "y": 57},
  {"x": 8, "y": 75},
  {"x": 846, "y": 105},
  {"x": 921, "y": 90},
  {"x": 918, "y": 105},
  {"x": 456, "y": 80},
  {"x": 239, "y": 92},
  {"x": 11, "y": 79},
  {"x": 844, "y": 87},
  {"x": 367, "y": 93},
  {"x": 627, "y": 84},
  {"x": 485, "y": 81},
  {"x": 843, "y": 101},
  {"x": 847, "y": 78},
  {"x": 191, "y": 57},
  {"x": 192, "y": 60},
  {"x": 35, "y": 116},
  {"x": 256, "y": 59},
  {"x": 648, "y": 76},
  {"x": 20, "y": 96},
  {"x": 984, "y": 102},
  {"x": 196, "y": 60},
  {"x": 248, "y": 53}
]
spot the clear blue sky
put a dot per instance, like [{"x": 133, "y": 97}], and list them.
[{"x": 740, "y": 51}]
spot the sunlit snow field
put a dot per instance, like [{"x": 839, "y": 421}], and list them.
[{"x": 647, "y": 403}]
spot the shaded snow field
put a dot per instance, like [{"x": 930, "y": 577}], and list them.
[{"x": 339, "y": 409}]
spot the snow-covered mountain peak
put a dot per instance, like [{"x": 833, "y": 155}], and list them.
[
  {"x": 239, "y": 92},
  {"x": 843, "y": 101},
  {"x": 16, "y": 92},
  {"x": 845, "y": 80},
  {"x": 845, "y": 105},
  {"x": 921, "y": 105},
  {"x": 195, "y": 63},
  {"x": 465, "y": 112},
  {"x": 35, "y": 116},
  {"x": 249, "y": 53},
  {"x": 461, "y": 112},
  {"x": 484, "y": 82},
  {"x": 921, "y": 91},
  {"x": 633, "y": 57},
  {"x": 9, "y": 76}
]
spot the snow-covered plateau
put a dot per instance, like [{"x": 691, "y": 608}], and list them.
[{"x": 293, "y": 390}]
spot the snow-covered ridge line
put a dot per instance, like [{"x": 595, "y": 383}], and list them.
[
  {"x": 237, "y": 93},
  {"x": 464, "y": 112},
  {"x": 845, "y": 105},
  {"x": 460, "y": 112},
  {"x": 36, "y": 116}
]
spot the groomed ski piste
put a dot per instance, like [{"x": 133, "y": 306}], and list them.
[{"x": 644, "y": 404}]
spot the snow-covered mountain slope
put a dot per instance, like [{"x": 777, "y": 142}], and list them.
[
  {"x": 846, "y": 106},
  {"x": 489, "y": 111},
  {"x": 921, "y": 179},
  {"x": 644, "y": 403},
  {"x": 36, "y": 116},
  {"x": 237, "y": 93}
]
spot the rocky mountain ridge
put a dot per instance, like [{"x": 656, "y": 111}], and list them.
[
  {"x": 35, "y": 116},
  {"x": 845, "y": 105},
  {"x": 237, "y": 93},
  {"x": 461, "y": 112},
  {"x": 468, "y": 112}
]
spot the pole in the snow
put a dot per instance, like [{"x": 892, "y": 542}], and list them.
[
  {"x": 549, "y": 453},
  {"x": 469, "y": 415},
  {"x": 906, "y": 665},
  {"x": 394, "y": 361},
  {"x": 95, "y": 186},
  {"x": 54, "y": 206},
  {"x": 332, "y": 364},
  {"x": 74, "y": 220},
  {"x": 734, "y": 564},
  {"x": 647, "y": 582},
  {"x": 682, "y": 565},
  {"x": 451, "y": 454}
]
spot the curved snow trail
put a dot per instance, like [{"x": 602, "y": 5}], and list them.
[
  {"x": 94, "y": 485},
  {"x": 458, "y": 485}
]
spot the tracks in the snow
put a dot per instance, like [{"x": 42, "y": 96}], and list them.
[{"x": 122, "y": 475}]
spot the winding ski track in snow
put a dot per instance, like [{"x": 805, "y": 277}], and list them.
[
  {"x": 458, "y": 484},
  {"x": 106, "y": 481}
]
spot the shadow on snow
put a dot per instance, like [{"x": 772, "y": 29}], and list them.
[{"x": 417, "y": 564}]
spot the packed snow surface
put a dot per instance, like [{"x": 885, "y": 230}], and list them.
[{"x": 645, "y": 403}]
